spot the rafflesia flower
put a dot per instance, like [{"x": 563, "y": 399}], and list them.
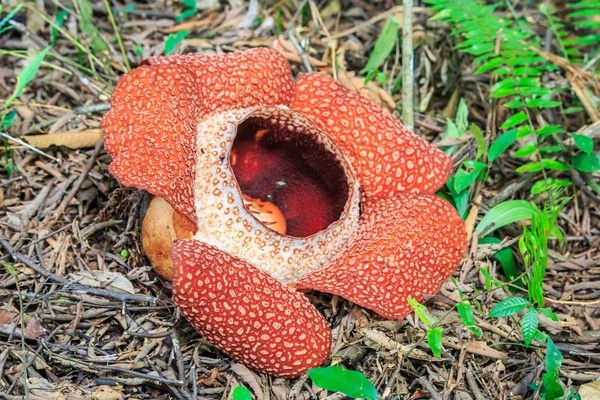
[{"x": 288, "y": 186}]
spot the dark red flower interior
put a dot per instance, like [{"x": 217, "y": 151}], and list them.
[{"x": 291, "y": 170}]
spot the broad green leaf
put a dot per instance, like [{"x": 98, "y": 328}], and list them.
[
  {"x": 490, "y": 64},
  {"x": 351, "y": 383},
  {"x": 571, "y": 110},
  {"x": 514, "y": 103},
  {"x": 503, "y": 214},
  {"x": 549, "y": 130},
  {"x": 585, "y": 143},
  {"x": 524, "y": 131},
  {"x": 9, "y": 119},
  {"x": 488, "y": 278},
  {"x": 241, "y": 393},
  {"x": 464, "y": 179},
  {"x": 544, "y": 164},
  {"x": 384, "y": 45},
  {"x": 27, "y": 75},
  {"x": 434, "y": 339},
  {"x": 529, "y": 325},
  {"x": 505, "y": 257},
  {"x": 542, "y": 103},
  {"x": 551, "y": 387},
  {"x": 461, "y": 200},
  {"x": 501, "y": 144},
  {"x": 514, "y": 120},
  {"x": 551, "y": 183},
  {"x": 587, "y": 162},
  {"x": 526, "y": 150},
  {"x": 467, "y": 317},
  {"x": 508, "y": 307},
  {"x": 174, "y": 39},
  {"x": 462, "y": 117},
  {"x": 479, "y": 139},
  {"x": 548, "y": 313},
  {"x": 421, "y": 311}
]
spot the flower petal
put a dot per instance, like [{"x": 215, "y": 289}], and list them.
[
  {"x": 150, "y": 133},
  {"x": 405, "y": 246},
  {"x": 388, "y": 158},
  {"x": 255, "y": 77},
  {"x": 246, "y": 313}
]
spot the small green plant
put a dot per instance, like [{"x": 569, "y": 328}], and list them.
[
  {"x": 351, "y": 383},
  {"x": 533, "y": 246},
  {"x": 241, "y": 393},
  {"x": 434, "y": 333},
  {"x": 173, "y": 40}
]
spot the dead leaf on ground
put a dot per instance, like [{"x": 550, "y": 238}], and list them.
[
  {"x": 288, "y": 50},
  {"x": 590, "y": 391},
  {"x": 104, "y": 279},
  {"x": 371, "y": 91},
  {"x": 72, "y": 140}
]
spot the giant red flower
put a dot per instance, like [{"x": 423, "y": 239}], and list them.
[{"x": 289, "y": 185}]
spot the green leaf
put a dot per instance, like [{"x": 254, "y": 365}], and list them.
[
  {"x": 505, "y": 257},
  {"x": 462, "y": 117},
  {"x": 585, "y": 143},
  {"x": 461, "y": 200},
  {"x": 543, "y": 164},
  {"x": 549, "y": 184},
  {"x": 27, "y": 75},
  {"x": 503, "y": 214},
  {"x": 526, "y": 150},
  {"x": 549, "y": 130},
  {"x": 508, "y": 307},
  {"x": 241, "y": 393},
  {"x": 586, "y": 162},
  {"x": 11, "y": 14},
  {"x": 384, "y": 45},
  {"x": 464, "y": 179},
  {"x": 515, "y": 120},
  {"x": 571, "y": 110},
  {"x": 9, "y": 119},
  {"x": 434, "y": 339},
  {"x": 501, "y": 144},
  {"x": 529, "y": 325},
  {"x": 351, "y": 383},
  {"x": 546, "y": 311},
  {"x": 551, "y": 387},
  {"x": 59, "y": 20},
  {"x": 542, "y": 103},
  {"x": 467, "y": 317},
  {"x": 490, "y": 64},
  {"x": 479, "y": 139},
  {"x": 421, "y": 311},
  {"x": 174, "y": 39}
]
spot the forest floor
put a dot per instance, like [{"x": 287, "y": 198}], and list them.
[{"x": 65, "y": 221}]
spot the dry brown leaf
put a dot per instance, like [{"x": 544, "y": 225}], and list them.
[
  {"x": 590, "y": 391},
  {"x": 192, "y": 25},
  {"x": 371, "y": 91},
  {"x": 482, "y": 349},
  {"x": 72, "y": 140},
  {"x": 105, "y": 279},
  {"x": 106, "y": 392},
  {"x": 34, "y": 328},
  {"x": 290, "y": 53}
]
